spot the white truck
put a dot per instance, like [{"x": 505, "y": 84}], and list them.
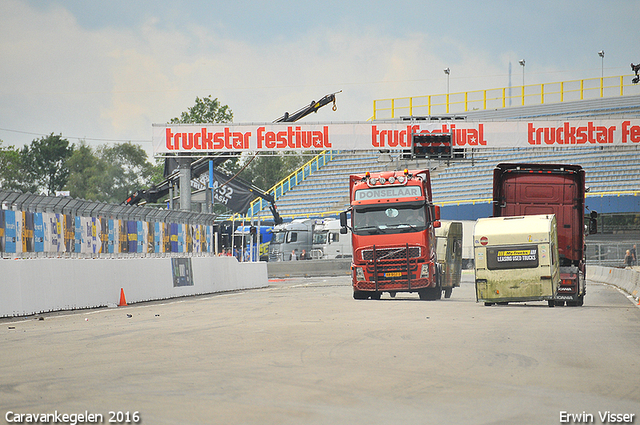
[
  {"x": 516, "y": 259},
  {"x": 291, "y": 238},
  {"x": 328, "y": 243}
]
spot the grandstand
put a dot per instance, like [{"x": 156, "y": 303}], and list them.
[{"x": 464, "y": 188}]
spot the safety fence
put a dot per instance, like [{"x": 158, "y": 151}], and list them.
[
  {"x": 47, "y": 226},
  {"x": 610, "y": 254},
  {"x": 534, "y": 94}
]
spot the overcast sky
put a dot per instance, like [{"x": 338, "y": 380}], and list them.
[{"x": 105, "y": 71}]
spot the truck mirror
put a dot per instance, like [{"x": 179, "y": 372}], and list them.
[
  {"x": 343, "y": 230},
  {"x": 593, "y": 226},
  {"x": 343, "y": 220},
  {"x": 437, "y": 212},
  {"x": 594, "y": 214},
  {"x": 437, "y": 224}
]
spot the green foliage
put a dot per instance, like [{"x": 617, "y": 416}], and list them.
[
  {"x": 206, "y": 110},
  {"x": 42, "y": 165},
  {"x": 265, "y": 171},
  {"x": 111, "y": 172},
  {"x": 84, "y": 171},
  {"x": 9, "y": 167}
]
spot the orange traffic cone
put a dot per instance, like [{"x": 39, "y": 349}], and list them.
[{"x": 123, "y": 301}]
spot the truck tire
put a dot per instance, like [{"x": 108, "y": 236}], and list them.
[
  {"x": 432, "y": 294},
  {"x": 447, "y": 292},
  {"x": 577, "y": 303},
  {"x": 376, "y": 295},
  {"x": 360, "y": 295}
]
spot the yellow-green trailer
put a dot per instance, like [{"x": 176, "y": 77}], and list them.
[
  {"x": 516, "y": 259},
  {"x": 449, "y": 255}
]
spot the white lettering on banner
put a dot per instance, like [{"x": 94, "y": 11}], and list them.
[
  {"x": 388, "y": 192},
  {"x": 402, "y": 138},
  {"x": 389, "y": 135}
]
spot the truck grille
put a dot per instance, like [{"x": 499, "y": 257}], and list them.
[{"x": 398, "y": 253}]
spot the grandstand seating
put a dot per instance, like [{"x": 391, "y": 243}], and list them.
[{"x": 326, "y": 191}]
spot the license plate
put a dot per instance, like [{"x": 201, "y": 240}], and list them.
[{"x": 393, "y": 274}]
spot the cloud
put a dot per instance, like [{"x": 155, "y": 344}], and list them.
[{"x": 114, "y": 81}]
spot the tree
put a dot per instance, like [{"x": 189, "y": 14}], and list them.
[
  {"x": 44, "y": 163},
  {"x": 10, "y": 166},
  {"x": 126, "y": 169},
  {"x": 266, "y": 170},
  {"x": 110, "y": 173},
  {"x": 84, "y": 170},
  {"x": 206, "y": 110}
]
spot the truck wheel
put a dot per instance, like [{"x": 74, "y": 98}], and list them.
[
  {"x": 447, "y": 292},
  {"x": 376, "y": 295},
  {"x": 430, "y": 294},
  {"x": 577, "y": 303},
  {"x": 359, "y": 295},
  {"x": 551, "y": 303},
  {"x": 393, "y": 294},
  {"x": 559, "y": 303},
  {"x": 488, "y": 304}
]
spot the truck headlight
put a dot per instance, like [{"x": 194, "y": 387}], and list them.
[
  {"x": 359, "y": 273},
  {"x": 424, "y": 273}
]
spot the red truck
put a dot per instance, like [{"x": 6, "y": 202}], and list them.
[
  {"x": 529, "y": 189},
  {"x": 394, "y": 244}
]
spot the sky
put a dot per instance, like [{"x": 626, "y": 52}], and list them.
[{"x": 105, "y": 71}]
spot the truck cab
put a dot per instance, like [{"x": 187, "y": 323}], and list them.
[
  {"x": 292, "y": 237},
  {"x": 392, "y": 223},
  {"x": 328, "y": 243}
]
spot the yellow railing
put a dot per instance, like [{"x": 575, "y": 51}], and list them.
[
  {"x": 535, "y": 94},
  {"x": 290, "y": 181}
]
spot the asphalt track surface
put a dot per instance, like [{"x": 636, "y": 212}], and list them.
[{"x": 302, "y": 351}]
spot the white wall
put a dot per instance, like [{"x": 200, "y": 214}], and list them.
[
  {"x": 32, "y": 286},
  {"x": 625, "y": 279}
]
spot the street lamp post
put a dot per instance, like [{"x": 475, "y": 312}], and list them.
[
  {"x": 601, "y": 54},
  {"x": 521, "y": 62},
  {"x": 447, "y": 71}
]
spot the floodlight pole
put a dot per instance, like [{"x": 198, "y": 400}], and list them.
[
  {"x": 447, "y": 71},
  {"x": 522, "y": 62}
]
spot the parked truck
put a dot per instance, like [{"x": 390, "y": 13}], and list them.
[
  {"x": 328, "y": 243},
  {"x": 530, "y": 189},
  {"x": 516, "y": 259},
  {"x": 290, "y": 239},
  {"x": 393, "y": 221}
]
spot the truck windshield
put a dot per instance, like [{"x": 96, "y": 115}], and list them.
[
  {"x": 278, "y": 237},
  {"x": 320, "y": 238},
  {"x": 389, "y": 218}
]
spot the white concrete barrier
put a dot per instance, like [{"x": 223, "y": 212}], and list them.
[
  {"x": 33, "y": 286},
  {"x": 625, "y": 279}
]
